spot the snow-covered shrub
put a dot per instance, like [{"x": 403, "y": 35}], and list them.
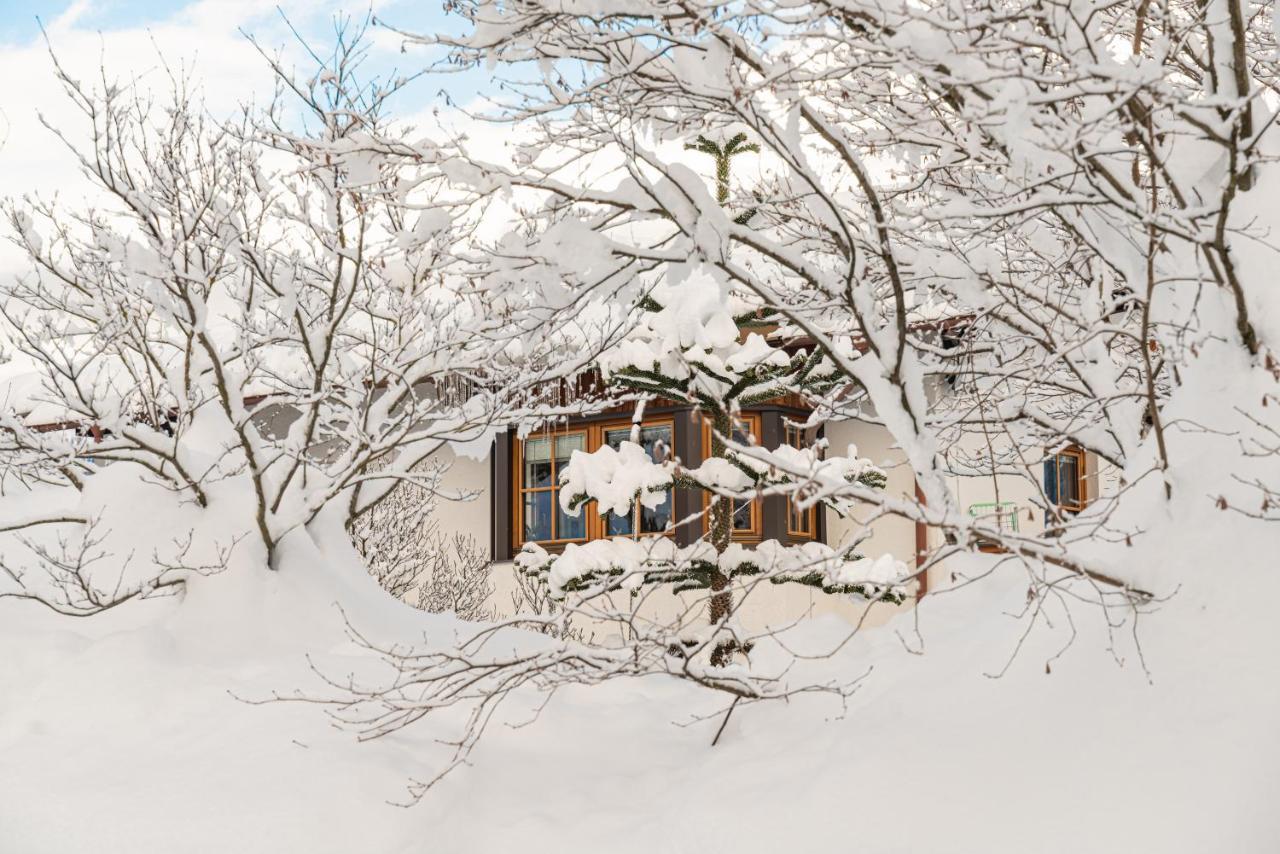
[
  {"x": 264, "y": 316},
  {"x": 412, "y": 559},
  {"x": 996, "y": 231}
]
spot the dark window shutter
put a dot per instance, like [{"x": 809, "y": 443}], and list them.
[
  {"x": 774, "y": 511},
  {"x": 687, "y": 441},
  {"x": 500, "y": 497},
  {"x": 1051, "y": 490},
  {"x": 820, "y": 517}
]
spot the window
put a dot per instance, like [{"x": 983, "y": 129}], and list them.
[
  {"x": 656, "y": 441},
  {"x": 1064, "y": 483},
  {"x": 746, "y": 511},
  {"x": 530, "y": 498},
  {"x": 800, "y": 523},
  {"x": 538, "y": 514},
  {"x": 538, "y": 461}
]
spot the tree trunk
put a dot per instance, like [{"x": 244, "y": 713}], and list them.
[{"x": 721, "y": 533}]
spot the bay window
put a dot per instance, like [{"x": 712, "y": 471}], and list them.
[
  {"x": 525, "y": 481},
  {"x": 540, "y": 459}
]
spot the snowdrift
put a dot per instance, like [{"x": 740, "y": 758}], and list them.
[{"x": 123, "y": 732}]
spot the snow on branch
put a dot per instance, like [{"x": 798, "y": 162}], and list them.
[
  {"x": 617, "y": 478},
  {"x": 285, "y": 303},
  {"x": 624, "y": 563}
]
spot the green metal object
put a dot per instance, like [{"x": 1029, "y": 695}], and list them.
[{"x": 1005, "y": 513}]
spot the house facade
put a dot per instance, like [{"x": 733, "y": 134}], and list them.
[
  {"x": 513, "y": 496},
  {"x": 515, "y": 491}
]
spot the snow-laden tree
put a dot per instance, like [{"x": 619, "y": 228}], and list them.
[
  {"x": 1034, "y": 220},
  {"x": 265, "y": 320},
  {"x": 639, "y": 605},
  {"x": 701, "y": 343},
  {"x": 1000, "y": 228}
]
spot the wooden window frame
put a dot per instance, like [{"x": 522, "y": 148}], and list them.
[
  {"x": 518, "y": 490},
  {"x": 769, "y": 516},
  {"x": 755, "y": 423},
  {"x": 1082, "y": 491},
  {"x": 794, "y": 436},
  {"x": 595, "y": 523},
  {"x": 596, "y": 518}
]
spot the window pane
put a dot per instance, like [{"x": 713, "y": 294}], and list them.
[
  {"x": 742, "y": 515},
  {"x": 618, "y": 526},
  {"x": 655, "y": 521},
  {"x": 570, "y": 527},
  {"x": 537, "y": 463},
  {"x": 537, "y": 515},
  {"x": 1051, "y": 480},
  {"x": 566, "y": 445},
  {"x": 1068, "y": 479},
  {"x": 656, "y": 441},
  {"x": 800, "y": 520}
]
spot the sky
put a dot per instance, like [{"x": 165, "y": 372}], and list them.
[
  {"x": 127, "y": 40},
  {"x": 134, "y": 41},
  {"x": 20, "y": 20}
]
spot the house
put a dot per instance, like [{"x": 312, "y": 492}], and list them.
[{"x": 516, "y": 487}]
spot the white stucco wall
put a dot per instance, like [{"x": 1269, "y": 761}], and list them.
[
  {"x": 1025, "y": 489},
  {"x": 465, "y": 476}
]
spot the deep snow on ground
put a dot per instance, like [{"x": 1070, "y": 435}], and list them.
[{"x": 120, "y": 734}]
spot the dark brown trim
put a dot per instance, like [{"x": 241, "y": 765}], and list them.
[
  {"x": 922, "y": 548},
  {"x": 56, "y": 426},
  {"x": 820, "y": 512},
  {"x": 773, "y": 525},
  {"x": 500, "y": 497},
  {"x": 687, "y": 438}
]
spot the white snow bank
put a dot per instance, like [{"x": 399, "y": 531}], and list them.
[{"x": 120, "y": 734}]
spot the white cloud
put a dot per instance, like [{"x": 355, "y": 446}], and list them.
[
  {"x": 203, "y": 38},
  {"x": 74, "y": 13}
]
